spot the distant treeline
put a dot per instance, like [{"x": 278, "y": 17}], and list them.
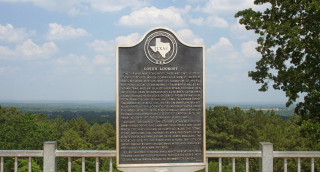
[
  {"x": 92, "y": 112},
  {"x": 54, "y": 107},
  {"x": 105, "y": 112},
  {"x": 90, "y": 116}
]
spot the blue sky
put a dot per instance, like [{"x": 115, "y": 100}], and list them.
[{"x": 65, "y": 49}]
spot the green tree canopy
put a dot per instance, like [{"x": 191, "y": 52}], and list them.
[{"x": 290, "y": 46}]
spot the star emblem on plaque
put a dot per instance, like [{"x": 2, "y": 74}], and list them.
[{"x": 160, "y": 47}]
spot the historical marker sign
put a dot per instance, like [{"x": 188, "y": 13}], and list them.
[{"x": 160, "y": 102}]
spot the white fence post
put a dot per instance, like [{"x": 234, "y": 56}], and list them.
[
  {"x": 83, "y": 164},
  {"x": 49, "y": 156},
  {"x": 1, "y": 164},
  {"x": 207, "y": 167},
  {"x": 110, "y": 164},
  {"x": 30, "y": 165},
  {"x": 97, "y": 164},
  {"x": 15, "y": 164},
  {"x": 266, "y": 160},
  {"x": 69, "y": 164}
]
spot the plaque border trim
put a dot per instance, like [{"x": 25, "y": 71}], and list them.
[{"x": 117, "y": 106}]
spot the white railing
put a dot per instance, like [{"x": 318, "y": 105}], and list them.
[
  {"x": 19, "y": 153},
  {"x": 233, "y": 155},
  {"x": 87, "y": 153},
  {"x": 299, "y": 155},
  {"x": 257, "y": 154},
  {"x": 49, "y": 154}
]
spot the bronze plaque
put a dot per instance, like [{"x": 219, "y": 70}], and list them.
[{"x": 160, "y": 102}]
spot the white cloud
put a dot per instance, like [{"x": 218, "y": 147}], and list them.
[
  {"x": 75, "y": 7},
  {"x": 59, "y": 32},
  {"x": 116, "y": 5},
  {"x": 224, "y": 43},
  {"x": 109, "y": 46},
  {"x": 126, "y": 40},
  {"x": 10, "y": 34},
  {"x": 217, "y": 6},
  {"x": 195, "y": 1},
  {"x": 248, "y": 49},
  {"x": 184, "y": 10},
  {"x": 102, "y": 46},
  {"x": 8, "y": 69},
  {"x": 101, "y": 60},
  {"x": 151, "y": 17},
  {"x": 89, "y": 69},
  {"x": 215, "y": 21},
  {"x": 226, "y": 78},
  {"x": 62, "y": 70},
  {"x": 6, "y": 52},
  {"x": 222, "y": 7},
  {"x": 107, "y": 70},
  {"x": 213, "y": 78},
  {"x": 74, "y": 12},
  {"x": 197, "y": 21},
  {"x": 49, "y": 48},
  {"x": 29, "y": 51},
  {"x": 240, "y": 32},
  {"x": 28, "y": 48},
  {"x": 212, "y": 21},
  {"x": 224, "y": 54},
  {"x": 73, "y": 63},
  {"x": 72, "y": 59},
  {"x": 188, "y": 36},
  {"x": 236, "y": 77}
]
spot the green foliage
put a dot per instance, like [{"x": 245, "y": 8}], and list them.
[
  {"x": 59, "y": 126},
  {"x": 23, "y": 164},
  {"x": 227, "y": 129},
  {"x": 234, "y": 129},
  {"x": 102, "y": 137},
  {"x": 71, "y": 140},
  {"x": 311, "y": 131},
  {"x": 93, "y": 112},
  {"x": 21, "y": 131},
  {"x": 27, "y": 131},
  {"x": 289, "y": 43}
]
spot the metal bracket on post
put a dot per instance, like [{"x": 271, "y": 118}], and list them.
[
  {"x": 49, "y": 156},
  {"x": 266, "y": 160}
]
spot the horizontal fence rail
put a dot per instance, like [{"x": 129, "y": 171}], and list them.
[
  {"x": 263, "y": 153},
  {"x": 233, "y": 154},
  {"x": 296, "y": 154},
  {"x": 86, "y": 153},
  {"x": 21, "y": 153}
]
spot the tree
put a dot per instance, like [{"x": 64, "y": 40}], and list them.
[
  {"x": 24, "y": 165},
  {"x": 289, "y": 43},
  {"x": 21, "y": 131},
  {"x": 234, "y": 129},
  {"x": 80, "y": 126},
  {"x": 59, "y": 126}
]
